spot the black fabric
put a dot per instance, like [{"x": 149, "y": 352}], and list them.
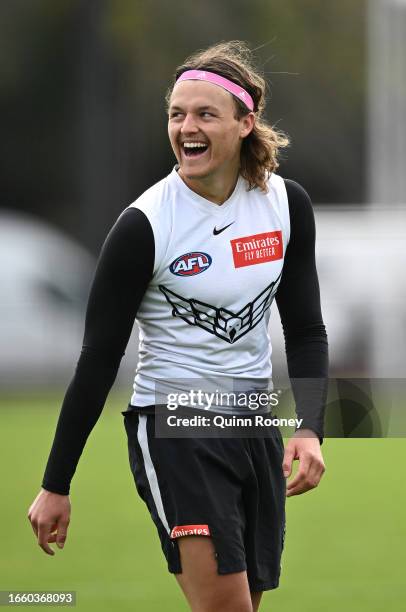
[
  {"x": 122, "y": 275},
  {"x": 123, "y": 272},
  {"x": 235, "y": 488},
  {"x": 298, "y": 301}
]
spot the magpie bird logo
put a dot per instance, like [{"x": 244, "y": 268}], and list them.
[
  {"x": 223, "y": 323},
  {"x": 218, "y": 231}
]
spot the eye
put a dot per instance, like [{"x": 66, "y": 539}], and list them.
[
  {"x": 207, "y": 113},
  {"x": 174, "y": 114}
]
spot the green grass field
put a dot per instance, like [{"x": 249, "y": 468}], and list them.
[{"x": 345, "y": 541}]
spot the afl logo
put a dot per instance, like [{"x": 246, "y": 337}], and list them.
[{"x": 190, "y": 264}]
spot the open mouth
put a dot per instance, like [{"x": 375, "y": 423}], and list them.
[{"x": 194, "y": 149}]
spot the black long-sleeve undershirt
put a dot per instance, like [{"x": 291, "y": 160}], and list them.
[
  {"x": 298, "y": 301},
  {"x": 122, "y": 275}
]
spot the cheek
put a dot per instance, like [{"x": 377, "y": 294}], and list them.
[
  {"x": 227, "y": 142},
  {"x": 172, "y": 133}
]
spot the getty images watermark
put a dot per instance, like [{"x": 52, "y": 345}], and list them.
[
  {"x": 352, "y": 407},
  {"x": 221, "y": 421},
  {"x": 209, "y": 411},
  {"x": 207, "y": 400},
  {"x": 219, "y": 400}
]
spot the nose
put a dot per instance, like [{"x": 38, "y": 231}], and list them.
[{"x": 189, "y": 124}]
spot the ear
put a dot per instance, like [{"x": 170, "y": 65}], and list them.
[{"x": 247, "y": 123}]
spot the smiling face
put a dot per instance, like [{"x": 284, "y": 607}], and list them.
[{"x": 203, "y": 130}]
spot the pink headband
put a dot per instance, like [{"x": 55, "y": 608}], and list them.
[{"x": 212, "y": 77}]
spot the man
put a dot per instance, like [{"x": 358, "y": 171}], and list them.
[{"x": 177, "y": 260}]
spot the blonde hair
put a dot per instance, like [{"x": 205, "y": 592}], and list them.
[{"x": 260, "y": 149}]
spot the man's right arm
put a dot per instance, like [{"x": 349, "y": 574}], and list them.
[{"x": 122, "y": 275}]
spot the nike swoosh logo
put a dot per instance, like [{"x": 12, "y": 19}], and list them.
[{"x": 218, "y": 231}]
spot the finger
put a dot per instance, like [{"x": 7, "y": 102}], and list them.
[
  {"x": 44, "y": 531},
  {"x": 310, "y": 480},
  {"x": 301, "y": 475},
  {"x": 302, "y": 487},
  {"x": 52, "y": 532},
  {"x": 34, "y": 527},
  {"x": 62, "y": 533},
  {"x": 288, "y": 457},
  {"x": 316, "y": 472}
]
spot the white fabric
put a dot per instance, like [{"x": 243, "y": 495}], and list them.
[
  {"x": 142, "y": 437},
  {"x": 215, "y": 344}
]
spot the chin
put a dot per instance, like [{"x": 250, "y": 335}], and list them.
[{"x": 195, "y": 173}]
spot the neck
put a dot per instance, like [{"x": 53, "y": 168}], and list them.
[{"x": 216, "y": 189}]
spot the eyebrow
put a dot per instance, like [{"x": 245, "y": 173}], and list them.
[{"x": 199, "y": 108}]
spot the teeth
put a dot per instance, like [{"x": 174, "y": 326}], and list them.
[{"x": 193, "y": 145}]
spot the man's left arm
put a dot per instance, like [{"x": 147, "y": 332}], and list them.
[{"x": 298, "y": 301}]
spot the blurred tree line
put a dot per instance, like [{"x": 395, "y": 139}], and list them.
[{"x": 82, "y": 85}]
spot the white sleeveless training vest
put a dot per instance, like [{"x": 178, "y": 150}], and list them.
[{"x": 206, "y": 311}]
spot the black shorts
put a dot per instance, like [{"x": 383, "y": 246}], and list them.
[{"x": 231, "y": 489}]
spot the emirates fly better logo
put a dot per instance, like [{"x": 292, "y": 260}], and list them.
[{"x": 256, "y": 249}]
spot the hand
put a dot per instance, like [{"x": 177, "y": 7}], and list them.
[
  {"x": 49, "y": 515},
  {"x": 305, "y": 446}
]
